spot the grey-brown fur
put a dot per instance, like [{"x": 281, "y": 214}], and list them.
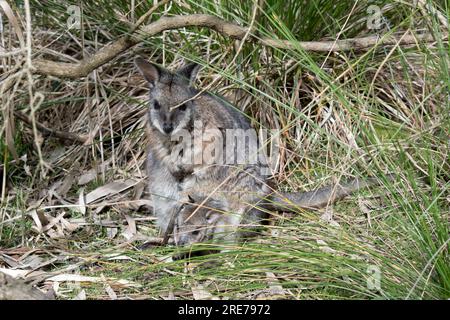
[
  {"x": 318, "y": 198},
  {"x": 229, "y": 194},
  {"x": 171, "y": 180},
  {"x": 207, "y": 219},
  {"x": 197, "y": 222}
]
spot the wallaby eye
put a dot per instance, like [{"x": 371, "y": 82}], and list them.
[
  {"x": 156, "y": 105},
  {"x": 182, "y": 107},
  {"x": 196, "y": 232}
]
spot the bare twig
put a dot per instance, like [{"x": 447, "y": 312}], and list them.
[
  {"x": 148, "y": 14},
  {"x": 50, "y": 132},
  {"x": 110, "y": 51},
  {"x": 5, "y": 54}
]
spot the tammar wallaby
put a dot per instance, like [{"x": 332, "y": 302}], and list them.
[
  {"x": 175, "y": 108},
  {"x": 176, "y": 176}
]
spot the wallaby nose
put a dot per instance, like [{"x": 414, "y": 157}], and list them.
[{"x": 168, "y": 128}]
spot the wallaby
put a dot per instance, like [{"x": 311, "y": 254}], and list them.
[
  {"x": 209, "y": 219},
  {"x": 174, "y": 172},
  {"x": 173, "y": 168}
]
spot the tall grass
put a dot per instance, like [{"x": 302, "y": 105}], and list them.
[{"x": 342, "y": 115}]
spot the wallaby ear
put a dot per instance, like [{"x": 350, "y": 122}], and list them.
[
  {"x": 189, "y": 72},
  {"x": 150, "y": 71}
]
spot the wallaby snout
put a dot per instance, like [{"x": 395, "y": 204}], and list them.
[{"x": 167, "y": 128}]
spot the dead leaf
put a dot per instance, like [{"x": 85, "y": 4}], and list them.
[
  {"x": 14, "y": 273},
  {"x": 275, "y": 288},
  {"x": 69, "y": 277},
  {"x": 170, "y": 296},
  {"x": 112, "y": 295},
  {"x": 82, "y": 203},
  {"x": 87, "y": 177},
  {"x": 52, "y": 221},
  {"x": 81, "y": 295},
  {"x": 39, "y": 219},
  {"x": 13, "y": 263},
  {"x": 73, "y": 277},
  {"x": 200, "y": 293},
  {"x": 22, "y": 274},
  {"x": 56, "y": 234},
  {"x": 91, "y": 174},
  {"x": 111, "y": 232},
  {"x": 63, "y": 186},
  {"x": 69, "y": 226},
  {"x": 135, "y": 205},
  {"x": 35, "y": 204},
  {"x": 109, "y": 189},
  {"x": 55, "y": 287},
  {"x": 130, "y": 231},
  {"x": 31, "y": 261},
  {"x": 327, "y": 217},
  {"x": 139, "y": 189},
  {"x": 115, "y": 256},
  {"x": 45, "y": 263},
  {"x": 324, "y": 246},
  {"x": 55, "y": 155}
]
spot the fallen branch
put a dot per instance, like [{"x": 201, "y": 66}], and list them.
[
  {"x": 110, "y": 51},
  {"x": 50, "y": 132}
]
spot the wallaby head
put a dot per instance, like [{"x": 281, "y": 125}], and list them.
[
  {"x": 169, "y": 110},
  {"x": 198, "y": 222}
]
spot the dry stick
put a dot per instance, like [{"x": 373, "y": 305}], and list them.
[
  {"x": 141, "y": 20},
  {"x": 110, "y": 51},
  {"x": 5, "y": 54},
  {"x": 236, "y": 55},
  {"x": 50, "y": 132},
  {"x": 105, "y": 54}
]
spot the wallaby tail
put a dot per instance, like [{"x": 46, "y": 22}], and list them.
[{"x": 285, "y": 201}]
